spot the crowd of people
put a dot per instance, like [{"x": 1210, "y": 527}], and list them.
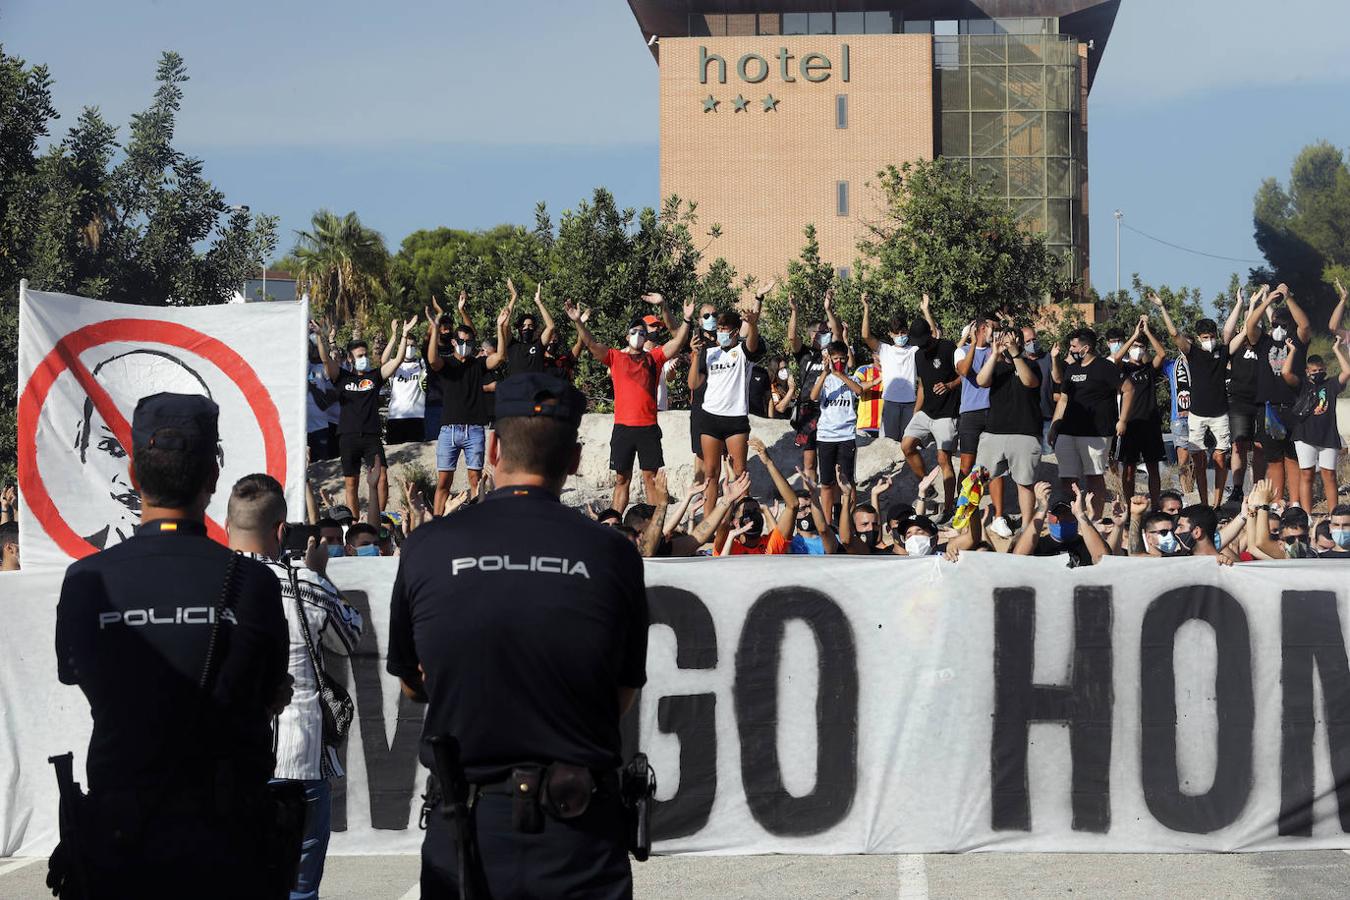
[{"x": 1251, "y": 415}]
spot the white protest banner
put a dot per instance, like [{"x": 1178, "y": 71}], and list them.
[
  {"x": 83, "y": 365},
  {"x": 849, "y": 705}
]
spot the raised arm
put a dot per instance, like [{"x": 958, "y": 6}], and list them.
[
  {"x": 750, "y": 321},
  {"x": 1301, "y": 320},
  {"x": 1056, "y": 366},
  {"x": 1339, "y": 312},
  {"x": 390, "y": 366},
  {"x": 461, "y": 307},
  {"x": 676, "y": 343},
  {"x": 1159, "y": 351},
  {"x": 832, "y": 318},
  {"x": 794, "y": 338},
  {"x": 926, "y": 307},
  {"x": 393, "y": 342},
  {"x": 780, "y": 484},
  {"x": 697, "y": 377},
  {"x": 498, "y": 356},
  {"x": 1031, "y": 531},
  {"x": 1230, "y": 324},
  {"x": 1092, "y": 538},
  {"x": 550, "y": 327},
  {"x": 985, "y": 377},
  {"x": 1287, "y": 372},
  {"x": 705, "y": 530},
  {"x": 1254, "y": 318},
  {"x": 330, "y": 364},
  {"x": 871, "y": 342},
  {"x": 434, "y": 361},
  {"x": 820, "y": 384},
  {"x": 827, "y": 538},
  {"x": 1182, "y": 341},
  {"x": 1129, "y": 342},
  {"x": 1258, "y": 526},
  {"x": 597, "y": 349},
  {"x": 1342, "y": 356},
  {"x": 655, "y": 530}
]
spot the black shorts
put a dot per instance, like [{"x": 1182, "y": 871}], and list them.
[
  {"x": 696, "y": 431},
  {"x": 642, "y": 441},
  {"x": 969, "y": 428},
  {"x": 321, "y": 446},
  {"x": 1143, "y": 442},
  {"x": 357, "y": 449},
  {"x": 1242, "y": 420},
  {"x": 1275, "y": 448},
  {"x": 404, "y": 431},
  {"x": 836, "y": 454},
  {"x": 723, "y": 427}
]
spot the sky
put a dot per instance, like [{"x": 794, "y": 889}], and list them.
[{"x": 418, "y": 114}]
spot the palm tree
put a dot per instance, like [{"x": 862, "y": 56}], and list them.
[{"x": 342, "y": 263}]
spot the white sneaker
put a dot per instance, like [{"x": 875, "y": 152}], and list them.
[{"x": 1000, "y": 527}]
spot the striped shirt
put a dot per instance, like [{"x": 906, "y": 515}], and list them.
[{"x": 335, "y": 625}]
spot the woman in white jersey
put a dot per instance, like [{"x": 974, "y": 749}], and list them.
[{"x": 723, "y": 371}]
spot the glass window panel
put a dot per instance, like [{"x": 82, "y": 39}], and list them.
[
  {"x": 988, "y": 134},
  {"x": 770, "y": 23},
  {"x": 841, "y": 111},
  {"x": 821, "y": 23},
  {"x": 1060, "y": 51},
  {"x": 1026, "y": 177},
  {"x": 698, "y": 26},
  {"x": 1025, "y": 49},
  {"x": 947, "y": 27},
  {"x": 987, "y": 88},
  {"x": 988, "y": 49},
  {"x": 1057, "y": 87},
  {"x": 946, "y": 52},
  {"x": 841, "y": 198},
  {"x": 980, "y": 26},
  {"x": 1059, "y": 177},
  {"x": 849, "y": 23},
  {"x": 992, "y": 176},
  {"x": 1061, "y": 222},
  {"x": 955, "y": 88},
  {"x": 741, "y": 24},
  {"x": 795, "y": 23},
  {"x": 1058, "y": 140},
  {"x": 1026, "y": 134},
  {"x": 880, "y": 23},
  {"x": 955, "y": 134},
  {"x": 1031, "y": 213},
  {"x": 1025, "y": 87},
  {"x": 918, "y": 26}
]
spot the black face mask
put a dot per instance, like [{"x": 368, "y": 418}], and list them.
[
  {"x": 756, "y": 522},
  {"x": 526, "y": 335},
  {"x": 1186, "y": 540},
  {"x": 869, "y": 538},
  {"x": 806, "y": 524}
]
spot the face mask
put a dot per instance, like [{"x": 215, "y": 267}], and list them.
[
  {"x": 806, "y": 524},
  {"x": 1317, "y": 377},
  {"x": 782, "y": 374},
  {"x": 1136, "y": 353},
  {"x": 710, "y": 322},
  {"x": 1341, "y": 538},
  {"x": 1076, "y": 357},
  {"x": 1031, "y": 348},
  {"x": 1278, "y": 334},
  {"x": 1115, "y": 347},
  {"x": 1297, "y": 549},
  {"x": 410, "y": 353},
  {"x": 334, "y": 551},
  {"x": 725, "y": 339},
  {"x": 526, "y": 335},
  {"x": 1207, "y": 346},
  {"x": 636, "y": 341},
  {"x": 361, "y": 364},
  {"x": 918, "y": 545},
  {"x": 822, "y": 341},
  {"x": 869, "y": 538},
  {"x": 1168, "y": 544},
  {"x": 836, "y": 365},
  {"x": 1186, "y": 540},
  {"x": 1064, "y": 531},
  {"x": 900, "y": 340},
  {"x": 756, "y": 522},
  {"x": 368, "y": 550},
  {"x": 1218, "y": 540},
  {"x": 463, "y": 348}
]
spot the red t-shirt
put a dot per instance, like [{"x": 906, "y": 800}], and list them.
[{"x": 635, "y": 376}]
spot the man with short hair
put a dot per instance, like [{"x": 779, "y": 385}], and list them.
[
  {"x": 9, "y": 547},
  {"x": 1011, "y": 440},
  {"x": 331, "y": 539},
  {"x": 363, "y": 539},
  {"x": 1196, "y": 527},
  {"x": 256, "y": 524},
  {"x": 1207, "y": 360},
  {"x": 523, "y": 626},
  {"x": 835, "y": 394},
  {"x": 635, "y": 371},
  {"x": 896, "y": 359},
  {"x": 464, "y": 406},
  {"x": 811, "y": 361},
  {"x": 1143, "y": 438},
  {"x": 938, "y": 404},
  {"x": 1317, "y": 438},
  {"x": 1069, "y": 529},
  {"x": 1170, "y": 502},
  {"x": 524, "y": 348},
  {"x": 1281, "y": 364},
  {"x": 1293, "y": 539},
  {"x": 1087, "y": 417},
  {"x": 1339, "y": 533}
]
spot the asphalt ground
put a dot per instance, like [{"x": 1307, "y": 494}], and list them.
[{"x": 1303, "y": 875}]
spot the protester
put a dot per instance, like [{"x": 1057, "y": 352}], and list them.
[
  {"x": 938, "y": 403},
  {"x": 782, "y": 389},
  {"x": 1011, "y": 438},
  {"x": 318, "y": 620},
  {"x": 813, "y": 537},
  {"x": 359, "y": 427},
  {"x": 1143, "y": 438},
  {"x": 464, "y": 413},
  {"x": 363, "y": 539},
  {"x": 1317, "y": 436},
  {"x": 811, "y": 361},
  {"x": 321, "y": 407},
  {"x": 407, "y": 395},
  {"x": 971, "y": 353},
  {"x": 896, "y": 360},
  {"x": 524, "y": 348},
  {"x": 705, "y": 336},
  {"x": 1068, "y": 528},
  {"x": 1281, "y": 362},
  {"x": 835, "y": 394},
  {"x": 1207, "y": 361},
  {"x": 1087, "y": 417},
  {"x": 750, "y": 536}
]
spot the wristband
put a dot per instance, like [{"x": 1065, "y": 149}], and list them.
[{"x": 1263, "y": 506}]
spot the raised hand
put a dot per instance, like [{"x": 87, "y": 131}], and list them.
[
  {"x": 660, "y": 489},
  {"x": 1341, "y": 291},
  {"x": 757, "y": 445},
  {"x": 431, "y": 319},
  {"x": 463, "y": 303},
  {"x": 1139, "y": 505},
  {"x": 1155, "y": 300},
  {"x": 688, "y": 310},
  {"x": 1055, "y": 351},
  {"x": 408, "y": 325},
  {"x": 866, "y": 301},
  {"x": 739, "y": 488},
  {"x": 539, "y": 294},
  {"x": 829, "y": 300},
  {"x": 654, "y": 298},
  {"x": 1042, "y": 492},
  {"x": 436, "y": 305},
  {"x": 585, "y": 315},
  {"x": 1118, "y": 512},
  {"x": 883, "y": 484},
  {"x": 792, "y": 302},
  {"x": 1261, "y": 493},
  {"x": 511, "y": 287},
  {"x": 763, "y": 290},
  {"x": 504, "y": 317},
  {"x": 572, "y": 310},
  {"x": 925, "y": 305},
  {"x": 929, "y": 480}
]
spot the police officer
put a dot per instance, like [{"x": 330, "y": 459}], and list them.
[
  {"x": 524, "y": 625},
  {"x": 180, "y": 648}
]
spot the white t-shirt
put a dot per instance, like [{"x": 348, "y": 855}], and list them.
[
  {"x": 407, "y": 391},
  {"x": 317, "y": 419},
  {"x": 728, "y": 384},
  {"x": 897, "y": 372},
  {"x": 838, "y": 412},
  {"x": 663, "y": 385}
]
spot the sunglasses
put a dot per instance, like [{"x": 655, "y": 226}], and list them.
[{"x": 1162, "y": 532}]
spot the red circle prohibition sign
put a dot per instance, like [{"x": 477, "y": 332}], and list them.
[{"x": 66, "y": 356}]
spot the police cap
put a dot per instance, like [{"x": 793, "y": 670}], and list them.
[
  {"x": 533, "y": 394},
  {"x": 192, "y": 418}
]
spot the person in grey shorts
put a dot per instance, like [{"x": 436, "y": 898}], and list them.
[
  {"x": 938, "y": 403},
  {"x": 1011, "y": 441}
]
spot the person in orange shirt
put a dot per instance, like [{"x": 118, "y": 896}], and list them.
[{"x": 748, "y": 536}]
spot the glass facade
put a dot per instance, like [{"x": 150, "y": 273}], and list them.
[
  {"x": 892, "y": 22},
  {"x": 1008, "y": 107}
]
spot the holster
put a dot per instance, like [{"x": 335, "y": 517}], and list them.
[
  {"x": 637, "y": 784},
  {"x": 65, "y": 868}
]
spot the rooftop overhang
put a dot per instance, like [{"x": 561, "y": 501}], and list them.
[{"x": 1088, "y": 20}]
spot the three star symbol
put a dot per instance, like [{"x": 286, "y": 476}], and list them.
[{"x": 740, "y": 104}]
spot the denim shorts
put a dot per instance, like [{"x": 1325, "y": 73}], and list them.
[{"x": 472, "y": 439}]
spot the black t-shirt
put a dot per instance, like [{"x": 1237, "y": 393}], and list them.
[
  {"x": 1014, "y": 408},
  {"x": 1092, "y": 389},
  {"x": 810, "y": 363},
  {"x": 1144, "y": 378},
  {"x": 1209, "y": 376},
  {"x": 359, "y": 396},
  {"x": 527, "y": 618},
  {"x": 759, "y": 390},
  {"x": 1270, "y": 384},
  {"x": 132, "y": 628},
  {"x": 525, "y": 357},
  {"x": 1074, "y": 548},
  {"x": 1242, "y": 377},
  {"x": 1319, "y": 429},
  {"x": 463, "y": 400},
  {"x": 933, "y": 365}
]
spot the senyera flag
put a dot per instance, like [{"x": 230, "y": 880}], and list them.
[{"x": 84, "y": 364}]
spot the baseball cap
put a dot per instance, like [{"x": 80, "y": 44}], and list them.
[
  {"x": 1060, "y": 502},
  {"x": 921, "y": 521},
  {"x": 538, "y": 394},
  {"x": 653, "y": 323},
  {"x": 340, "y": 514},
  {"x": 191, "y": 419}
]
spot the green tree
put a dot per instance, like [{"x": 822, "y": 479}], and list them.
[
  {"x": 342, "y": 265},
  {"x": 1303, "y": 230},
  {"x": 940, "y": 235}
]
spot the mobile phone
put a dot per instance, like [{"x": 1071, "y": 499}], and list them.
[{"x": 297, "y": 538}]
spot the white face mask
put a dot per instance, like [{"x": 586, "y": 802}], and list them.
[
  {"x": 918, "y": 545},
  {"x": 823, "y": 340},
  {"x": 899, "y": 340},
  {"x": 1207, "y": 346},
  {"x": 636, "y": 341},
  {"x": 725, "y": 339},
  {"x": 1136, "y": 353},
  {"x": 782, "y": 374},
  {"x": 1115, "y": 347},
  {"x": 1278, "y": 334},
  {"x": 709, "y": 322},
  {"x": 1031, "y": 348},
  {"x": 361, "y": 363},
  {"x": 410, "y": 353}
]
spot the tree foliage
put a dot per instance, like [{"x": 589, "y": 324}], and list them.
[
  {"x": 135, "y": 222},
  {"x": 1303, "y": 229},
  {"x": 341, "y": 264}
]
